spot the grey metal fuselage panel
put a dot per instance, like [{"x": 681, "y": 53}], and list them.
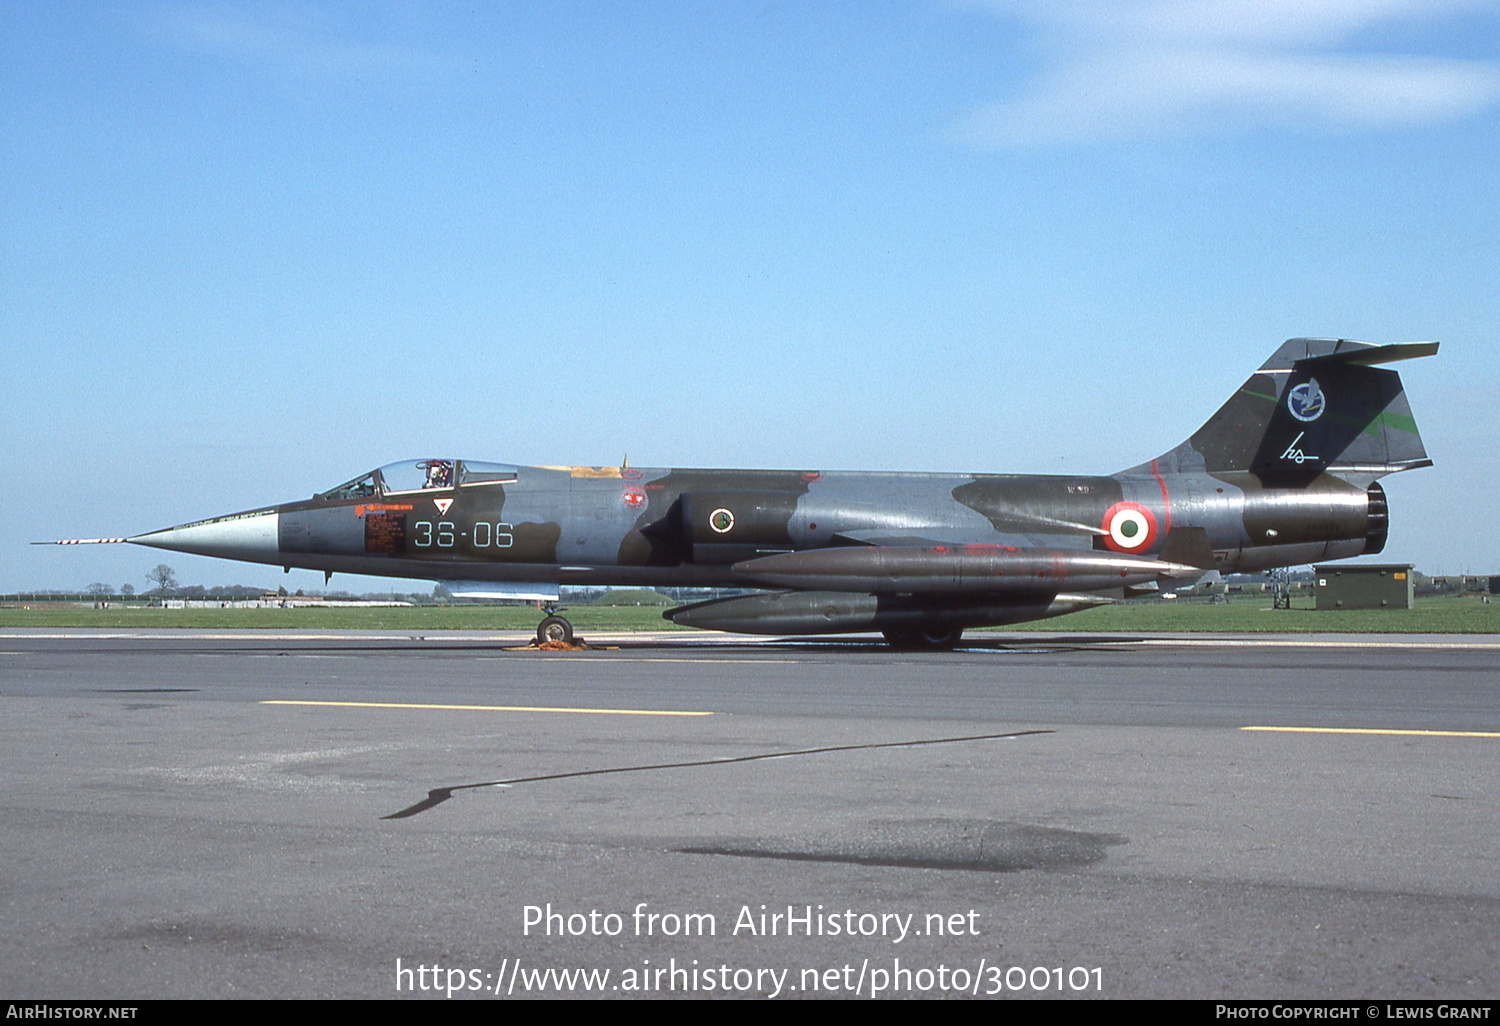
[
  {"x": 682, "y": 526},
  {"x": 658, "y": 526}
]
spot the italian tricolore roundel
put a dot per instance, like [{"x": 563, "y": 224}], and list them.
[
  {"x": 721, "y": 520},
  {"x": 1131, "y": 527}
]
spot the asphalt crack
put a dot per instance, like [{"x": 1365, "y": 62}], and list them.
[{"x": 438, "y": 795}]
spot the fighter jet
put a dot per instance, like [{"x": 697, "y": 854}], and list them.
[{"x": 1285, "y": 473}]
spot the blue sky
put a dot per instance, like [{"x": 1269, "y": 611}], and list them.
[{"x": 248, "y": 251}]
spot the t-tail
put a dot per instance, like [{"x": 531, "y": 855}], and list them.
[{"x": 1292, "y": 459}]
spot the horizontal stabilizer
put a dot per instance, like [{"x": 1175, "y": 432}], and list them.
[{"x": 1373, "y": 355}]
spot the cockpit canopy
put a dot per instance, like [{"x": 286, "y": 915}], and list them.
[{"x": 422, "y": 476}]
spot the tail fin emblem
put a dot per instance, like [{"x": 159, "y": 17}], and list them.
[
  {"x": 1306, "y": 402},
  {"x": 1295, "y": 454}
]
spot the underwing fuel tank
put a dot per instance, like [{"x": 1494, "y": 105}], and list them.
[
  {"x": 832, "y": 612},
  {"x": 991, "y": 570}
]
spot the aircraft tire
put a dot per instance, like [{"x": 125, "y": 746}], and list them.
[
  {"x": 554, "y": 628},
  {"x": 934, "y": 639}
]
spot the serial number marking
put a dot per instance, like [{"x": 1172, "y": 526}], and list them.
[{"x": 443, "y": 535}]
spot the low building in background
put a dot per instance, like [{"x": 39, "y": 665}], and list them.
[{"x": 1364, "y": 586}]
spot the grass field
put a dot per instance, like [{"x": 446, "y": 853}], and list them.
[
  {"x": 401, "y": 618},
  {"x": 1449, "y": 615}
]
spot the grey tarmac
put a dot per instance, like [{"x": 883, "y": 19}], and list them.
[{"x": 165, "y": 831}]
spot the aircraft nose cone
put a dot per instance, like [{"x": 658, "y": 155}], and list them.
[{"x": 248, "y": 536}]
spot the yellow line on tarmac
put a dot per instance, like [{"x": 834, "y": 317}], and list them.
[
  {"x": 490, "y": 708},
  {"x": 1371, "y": 730}
]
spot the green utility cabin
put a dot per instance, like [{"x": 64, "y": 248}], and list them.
[{"x": 1364, "y": 586}]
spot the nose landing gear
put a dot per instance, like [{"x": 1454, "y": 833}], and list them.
[{"x": 554, "y": 628}]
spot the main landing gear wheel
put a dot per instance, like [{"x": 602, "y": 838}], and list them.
[
  {"x": 554, "y": 628},
  {"x": 933, "y": 639}
]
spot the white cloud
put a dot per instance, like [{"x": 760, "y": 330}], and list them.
[
  {"x": 300, "y": 40},
  {"x": 1116, "y": 70}
]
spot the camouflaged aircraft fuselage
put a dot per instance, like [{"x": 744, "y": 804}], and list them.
[{"x": 1285, "y": 473}]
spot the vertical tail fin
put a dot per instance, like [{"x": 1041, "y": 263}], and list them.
[{"x": 1317, "y": 405}]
